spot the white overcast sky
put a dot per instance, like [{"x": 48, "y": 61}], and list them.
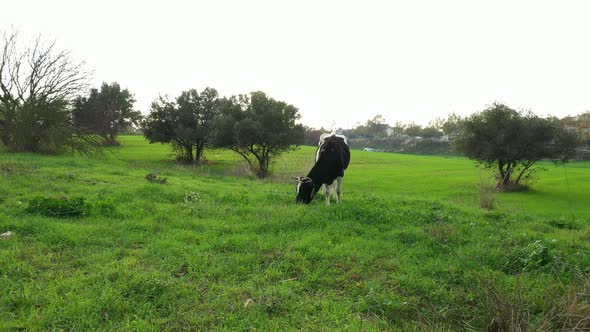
[{"x": 339, "y": 62}]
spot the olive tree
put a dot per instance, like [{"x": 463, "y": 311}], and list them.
[
  {"x": 258, "y": 128},
  {"x": 513, "y": 142},
  {"x": 106, "y": 112},
  {"x": 186, "y": 123}
]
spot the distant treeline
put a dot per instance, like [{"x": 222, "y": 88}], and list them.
[
  {"x": 438, "y": 137},
  {"x": 401, "y": 144}
]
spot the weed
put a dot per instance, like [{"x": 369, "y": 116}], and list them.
[
  {"x": 63, "y": 207},
  {"x": 562, "y": 223},
  {"x": 507, "y": 309},
  {"x": 548, "y": 257},
  {"x": 192, "y": 201},
  {"x": 15, "y": 168},
  {"x": 154, "y": 178},
  {"x": 441, "y": 232},
  {"x": 495, "y": 216},
  {"x": 534, "y": 256}
]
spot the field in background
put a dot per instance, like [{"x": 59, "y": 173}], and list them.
[
  {"x": 409, "y": 249},
  {"x": 390, "y": 175}
]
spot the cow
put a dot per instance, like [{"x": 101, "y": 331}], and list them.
[{"x": 332, "y": 158}]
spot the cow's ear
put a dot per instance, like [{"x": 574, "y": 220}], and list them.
[
  {"x": 305, "y": 179},
  {"x": 297, "y": 178}
]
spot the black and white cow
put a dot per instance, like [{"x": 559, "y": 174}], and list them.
[{"x": 332, "y": 158}]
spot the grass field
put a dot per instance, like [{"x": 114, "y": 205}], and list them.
[{"x": 408, "y": 250}]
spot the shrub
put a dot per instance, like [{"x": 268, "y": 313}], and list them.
[
  {"x": 564, "y": 224},
  {"x": 154, "y": 178},
  {"x": 546, "y": 256},
  {"x": 58, "y": 207}
]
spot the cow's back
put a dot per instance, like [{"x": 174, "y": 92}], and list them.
[{"x": 332, "y": 159}]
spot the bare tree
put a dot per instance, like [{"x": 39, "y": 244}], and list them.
[{"x": 37, "y": 84}]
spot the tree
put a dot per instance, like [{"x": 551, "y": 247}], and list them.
[
  {"x": 258, "y": 128},
  {"x": 513, "y": 142},
  {"x": 413, "y": 130},
  {"x": 106, "y": 112},
  {"x": 580, "y": 123},
  {"x": 451, "y": 126},
  {"x": 437, "y": 123},
  {"x": 398, "y": 128},
  {"x": 186, "y": 123},
  {"x": 430, "y": 132},
  {"x": 376, "y": 127},
  {"x": 37, "y": 85},
  {"x": 312, "y": 135}
]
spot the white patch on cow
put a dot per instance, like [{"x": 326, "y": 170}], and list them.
[
  {"x": 317, "y": 154},
  {"x": 323, "y": 138},
  {"x": 298, "y": 186},
  {"x": 338, "y": 188}
]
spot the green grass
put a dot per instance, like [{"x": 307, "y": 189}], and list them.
[{"x": 409, "y": 249}]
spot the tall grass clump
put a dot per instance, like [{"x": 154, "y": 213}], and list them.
[
  {"x": 565, "y": 309},
  {"x": 487, "y": 195},
  {"x": 571, "y": 310}
]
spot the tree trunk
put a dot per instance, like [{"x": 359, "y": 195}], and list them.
[
  {"x": 262, "y": 171},
  {"x": 190, "y": 158},
  {"x": 199, "y": 149},
  {"x": 110, "y": 140},
  {"x": 504, "y": 179}
]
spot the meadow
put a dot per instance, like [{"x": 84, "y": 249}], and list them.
[{"x": 214, "y": 248}]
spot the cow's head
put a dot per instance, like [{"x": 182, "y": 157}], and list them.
[{"x": 305, "y": 189}]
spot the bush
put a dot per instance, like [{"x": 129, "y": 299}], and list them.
[
  {"x": 154, "y": 178},
  {"x": 59, "y": 207}
]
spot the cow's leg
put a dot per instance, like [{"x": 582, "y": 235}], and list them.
[
  {"x": 327, "y": 192},
  {"x": 338, "y": 186}
]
